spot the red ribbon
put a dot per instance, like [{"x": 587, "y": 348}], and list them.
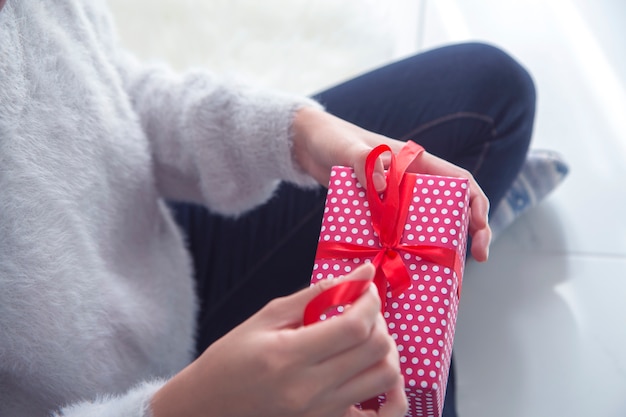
[{"x": 388, "y": 216}]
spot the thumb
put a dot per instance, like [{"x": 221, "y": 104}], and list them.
[
  {"x": 364, "y": 272},
  {"x": 378, "y": 177}
]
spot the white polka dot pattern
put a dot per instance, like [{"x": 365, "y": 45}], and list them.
[{"x": 422, "y": 319}]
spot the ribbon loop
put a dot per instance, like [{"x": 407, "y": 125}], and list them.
[{"x": 389, "y": 213}]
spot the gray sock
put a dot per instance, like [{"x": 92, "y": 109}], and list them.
[{"x": 541, "y": 173}]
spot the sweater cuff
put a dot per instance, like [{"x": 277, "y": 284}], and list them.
[
  {"x": 291, "y": 171},
  {"x": 134, "y": 403}
]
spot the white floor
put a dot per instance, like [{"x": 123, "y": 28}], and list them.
[{"x": 542, "y": 325}]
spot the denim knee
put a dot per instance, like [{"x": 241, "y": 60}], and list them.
[{"x": 507, "y": 78}]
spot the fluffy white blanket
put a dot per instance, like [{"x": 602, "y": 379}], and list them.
[{"x": 297, "y": 45}]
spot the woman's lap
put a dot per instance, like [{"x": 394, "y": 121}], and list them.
[{"x": 469, "y": 104}]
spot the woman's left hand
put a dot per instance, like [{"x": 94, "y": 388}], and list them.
[{"x": 322, "y": 141}]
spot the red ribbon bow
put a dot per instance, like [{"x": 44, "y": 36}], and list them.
[{"x": 388, "y": 215}]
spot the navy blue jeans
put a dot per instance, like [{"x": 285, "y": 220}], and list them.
[{"x": 471, "y": 104}]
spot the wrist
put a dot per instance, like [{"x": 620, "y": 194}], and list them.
[
  {"x": 303, "y": 127},
  {"x": 177, "y": 397}
]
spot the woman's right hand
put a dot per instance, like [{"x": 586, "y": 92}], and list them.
[{"x": 271, "y": 365}]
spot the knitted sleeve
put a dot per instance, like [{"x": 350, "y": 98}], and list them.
[
  {"x": 218, "y": 142},
  {"x": 134, "y": 403},
  {"x": 222, "y": 143}
]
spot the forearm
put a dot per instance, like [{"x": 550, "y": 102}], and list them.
[{"x": 220, "y": 143}]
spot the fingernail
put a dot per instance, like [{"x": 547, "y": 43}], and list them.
[{"x": 379, "y": 181}]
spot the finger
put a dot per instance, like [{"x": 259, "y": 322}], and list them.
[
  {"x": 378, "y": 177},
  {"x": 479, "y": 228},
  {"x": 355, "y": 412},
  {"x": 479, "y": 204},
  {"x": 396, "y": 404},
  {"x": 288, "y": 312},
  {"x": 480, "y": 244},
  {"x": 379, "y": 379},
  {"x": 431, "y": 164},
  {"x": 345, "y": 365}
]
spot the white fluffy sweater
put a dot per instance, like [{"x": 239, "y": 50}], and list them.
[{"x": 96, "y": 296}]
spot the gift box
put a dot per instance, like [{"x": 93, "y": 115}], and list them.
[{"x": 415, "y": 234}]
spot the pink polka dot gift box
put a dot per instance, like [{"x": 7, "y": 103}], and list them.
[{"x": 416, "y": 236}]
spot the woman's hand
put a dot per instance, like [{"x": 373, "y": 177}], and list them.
[
  {"x": 322, "y": 140},
  {"x": 273, "y": 366}
]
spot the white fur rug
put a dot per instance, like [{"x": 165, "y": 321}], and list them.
[{"x": 295, "y": 45}]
